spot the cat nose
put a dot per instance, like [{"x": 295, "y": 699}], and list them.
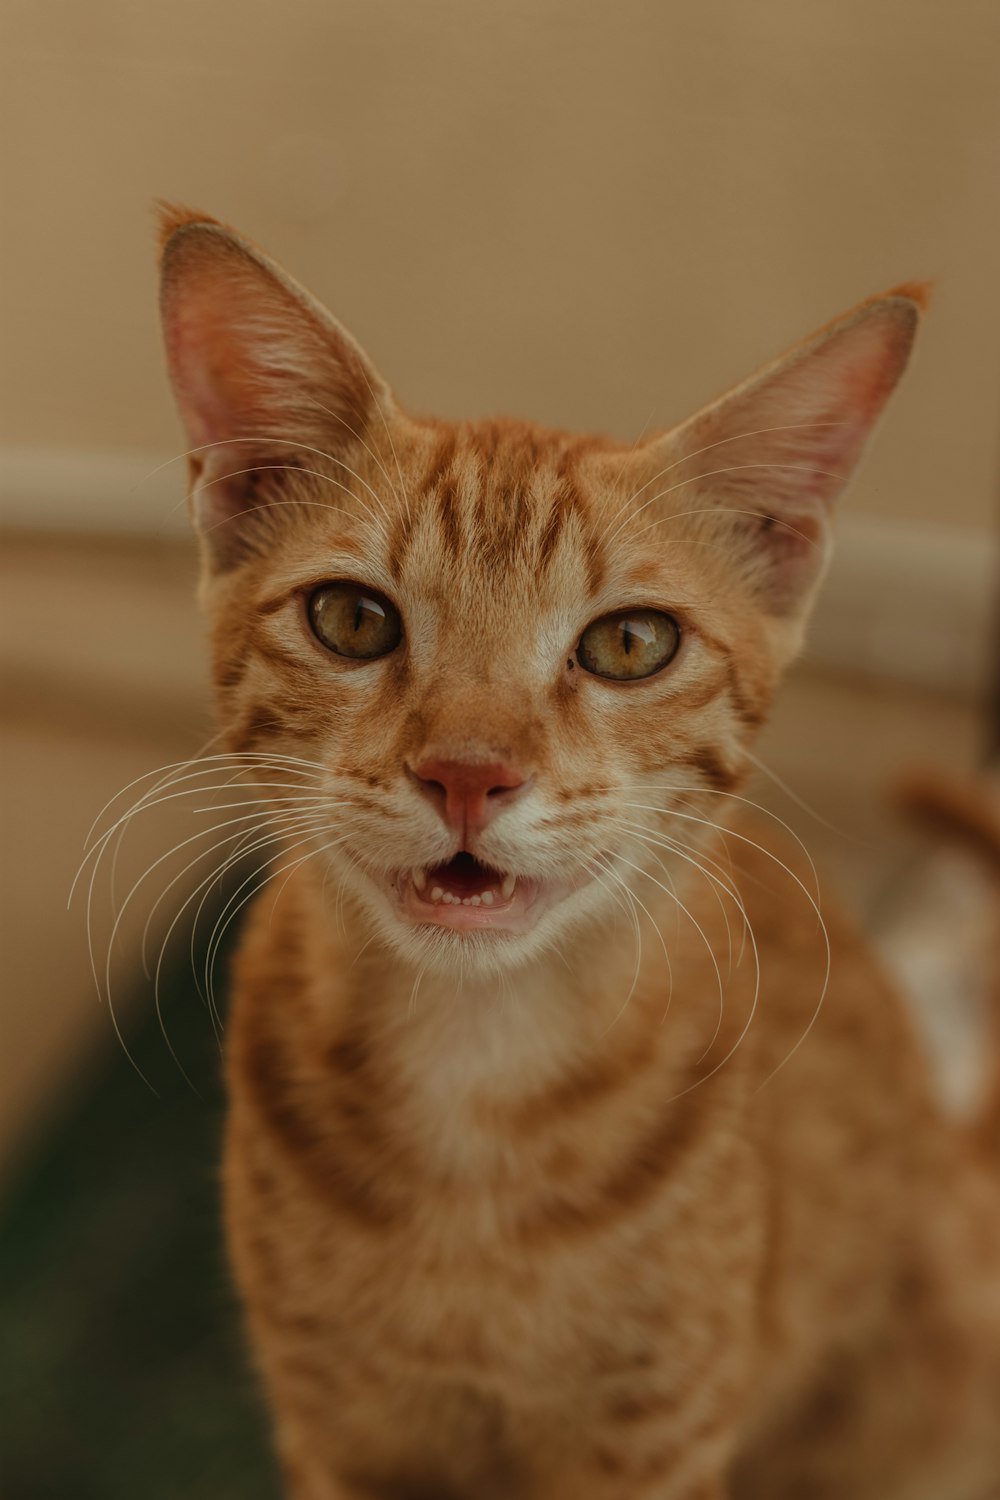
[{"x": 467, "y": 794}]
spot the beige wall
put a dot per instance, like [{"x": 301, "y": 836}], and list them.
[{"x": 596, "y": 214}]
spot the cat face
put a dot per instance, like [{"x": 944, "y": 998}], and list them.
[{"x": 507, "y": 674}]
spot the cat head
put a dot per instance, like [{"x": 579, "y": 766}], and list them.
[{"x": 498, "y": 672}]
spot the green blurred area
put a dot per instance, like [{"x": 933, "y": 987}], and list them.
[{"x": 123, "y": 1371}]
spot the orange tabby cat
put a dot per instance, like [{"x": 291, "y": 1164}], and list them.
[{"x": 555, "y": 1171}]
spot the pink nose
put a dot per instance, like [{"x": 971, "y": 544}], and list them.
[{"x": 468, "y": 794}]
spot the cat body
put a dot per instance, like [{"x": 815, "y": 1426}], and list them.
[
  {"x": 556, "y": 1277},
  {"x": 558, "y": 1164}
]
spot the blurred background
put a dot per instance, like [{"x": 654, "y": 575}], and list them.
[{"x": 596, "y": 215}]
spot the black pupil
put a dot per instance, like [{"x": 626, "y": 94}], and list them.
[
  {"x": 637, "y": 631},
  {"x": 367, "y": 612}
]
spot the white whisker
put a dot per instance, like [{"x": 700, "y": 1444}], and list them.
[
  {"x": 162, "y": 785},
  {"x": 143, "y": 805},
  {"x": 632, "y": 900},
  {"x": 747, "y": 802},
  {"x": 414, "y": 990},
  {"x": 392, "y": 447},
  {"x": 255, "y": 818},
  {"x": 684, "y": 458},
  {"x": 285, "y": 442},
  {"x": 371, "y": 453},
  {"x": 698, "y": 928},
  {"x": 197, "y": 765},
  {"x": 732, "y": 833},
  {"x": 375, "y": 524},
  {"x": 794, "y": 797},
  {"x": 636, "y": 830},
  {"x": 120, "y": 917},
  {"x": 224, "y": 921},
  {"x": 277, "y": 825}
]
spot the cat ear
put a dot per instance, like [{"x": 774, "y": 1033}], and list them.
[
  {"x": 762, "y": 467},
  {"x": 261, "y": 372}
]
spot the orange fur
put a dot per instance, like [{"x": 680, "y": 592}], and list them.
[
  {"x": 617, "y": 1201},
  {"x": 954, "y": 808}
]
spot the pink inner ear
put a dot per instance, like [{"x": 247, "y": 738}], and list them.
[
  {"x": 786, "y": 557},
  {"x": 830, "y": 452},
  {"x": 768, "y": 461},
  {"x": 250, "y": 353},
  {"x": 821, "y": 403},
  {"x": 263, "y": 377},
  {"x": 852, "y": 376},
  {"x": 852, "y": 407},
  {"x": 209, "y": 416},
  {"x": 216, "y": 364}
]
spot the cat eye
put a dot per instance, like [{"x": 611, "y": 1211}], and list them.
[
  {"x": 354, "y": 621},
  {"x": 631, "y": 644}
]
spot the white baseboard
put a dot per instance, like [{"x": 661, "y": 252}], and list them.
[
  {"x": 913, "y": 602},
  {"x": 903, "y": 600},
  {"x": 116, "y": 494}
]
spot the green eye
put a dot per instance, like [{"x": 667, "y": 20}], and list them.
[
  {"x": 631, "y": 644},
  {"x": 354, "y": 621}
]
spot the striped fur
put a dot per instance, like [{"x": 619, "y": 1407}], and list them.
[{"x": 609, "y": 1208}]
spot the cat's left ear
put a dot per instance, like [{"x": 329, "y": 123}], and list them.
[
  {"x": 265, "y": 378},
  {"x": 760, "y": 468}
]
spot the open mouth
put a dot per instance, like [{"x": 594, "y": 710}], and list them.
[
  {"x": 463, "y": 881},
  {"x": 465, "y": 894}
]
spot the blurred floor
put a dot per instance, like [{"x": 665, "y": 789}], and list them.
[{"x": 105, "y": 680}]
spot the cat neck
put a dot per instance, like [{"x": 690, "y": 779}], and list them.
[
  {"x": 470, "y": 1078},
  {"x": 648, "y": 983}
]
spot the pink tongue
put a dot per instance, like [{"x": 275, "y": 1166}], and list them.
[{"x": 463, "y": 876}]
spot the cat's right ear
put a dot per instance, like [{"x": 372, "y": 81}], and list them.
[{"x": 261, "y": 372}]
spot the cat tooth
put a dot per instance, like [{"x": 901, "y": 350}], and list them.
[
  {"x": 419, "y": 879},
  {"x": 487, "y": 898},
  {"x": 474, "y": 900},
  {"x": 437, "y": 893},
  {"x": 507, "y": 887}
]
